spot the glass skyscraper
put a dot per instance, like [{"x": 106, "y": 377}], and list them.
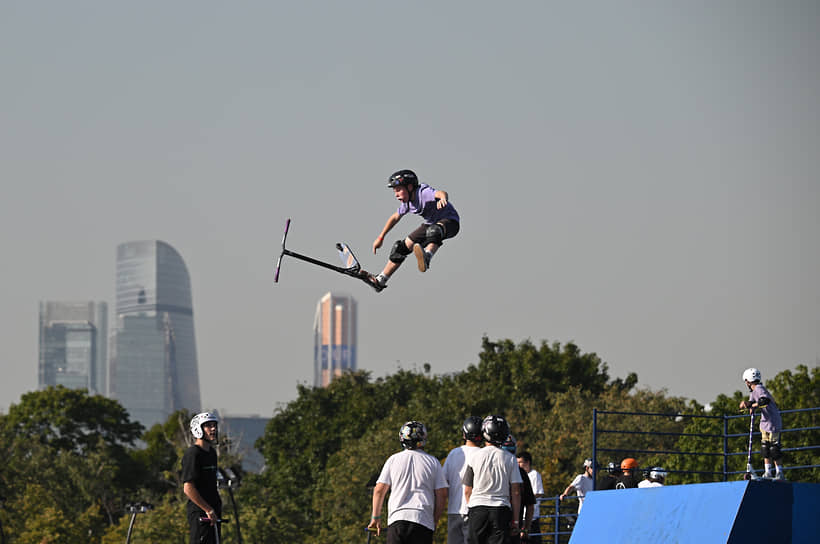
[
  {"x": 334, "y": 338},
  {"x": 153, "y": 370},
  {"x": 73, "y": 346}
]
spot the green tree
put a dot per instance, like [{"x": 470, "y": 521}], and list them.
[{"x": 67, "y": 458}]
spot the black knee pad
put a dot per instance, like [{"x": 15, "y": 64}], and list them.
[
  {"x": 774, "y": 451},
  {"x": 766, "y": 449},
  {"x": 399, "y": 252},
  {"x": 434, "y": 234}
]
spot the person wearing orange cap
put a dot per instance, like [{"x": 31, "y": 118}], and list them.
[{"x": 629, "y": 474}]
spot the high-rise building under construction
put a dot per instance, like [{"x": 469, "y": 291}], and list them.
[{"x": 334, "y": 334}]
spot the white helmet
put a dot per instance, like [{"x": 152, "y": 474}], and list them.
[
  {"x": 197, "y": 422},
  {"x": 751, "y": 375},
  {"x": 587, "y": 463},
  {"x": 657, "y": 473}
]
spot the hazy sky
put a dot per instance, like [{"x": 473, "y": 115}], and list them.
[{"x": 640, "y": 178}]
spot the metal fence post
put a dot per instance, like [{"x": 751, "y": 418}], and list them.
[
  {"x": 594, "y": 449},
  {"x": 725, "y": 448}
]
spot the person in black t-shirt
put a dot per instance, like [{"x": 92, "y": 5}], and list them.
[
  {"x": 199, "y": 479},
  {"x": 629, "y": 474}
]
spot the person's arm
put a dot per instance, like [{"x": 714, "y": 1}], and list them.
[
  {"x": 192, "y": 493},
  {"x": 391, "y": 222},
  {"x": 528, "y": 513},
  {"x": 468, "y": 491},
  {"x": 379, "y": 493},
  {"x": 515, "y": 501},
  {"x": 566, "y": 492},
  {"x": 442, "y": 197},
  {"x": 441, "y": 504}
]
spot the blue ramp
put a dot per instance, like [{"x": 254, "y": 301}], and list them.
[{"x": 725, "y": 512}]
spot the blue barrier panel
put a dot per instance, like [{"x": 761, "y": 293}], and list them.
[{"x": 724, "y": 512}]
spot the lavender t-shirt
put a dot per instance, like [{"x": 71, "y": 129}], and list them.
[
  {"x": 769, "y": 414},
  {"x": 423, "y": 203}
]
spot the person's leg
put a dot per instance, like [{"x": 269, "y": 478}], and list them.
[
  {"x": 478, "y": 525},
  {"x": 465, "y": 529},
  {"x": 455, "y": 529},
  {"x": 765, "y": 452},
  {"x": 400, "y": 250},
  {"x": 200, "y": 533},
  {"x": 500, "y": 525},
  {"x": 419, "y": 534}
]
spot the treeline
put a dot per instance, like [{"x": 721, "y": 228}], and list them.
[{"x": 72, "y": 461}]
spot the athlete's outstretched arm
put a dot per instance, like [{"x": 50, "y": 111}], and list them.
[{"x": 391, "y": 222}]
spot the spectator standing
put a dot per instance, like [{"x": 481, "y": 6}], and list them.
[
  {"x": 418, "y": 490},
  {"x": 629, "y": 477},
  {"x": 199, "y": 465},
  {"x": 454, "y": 468},
  {"x": 655, "y": 478},
  {"x": 525, "y": 462},
  {"x": 582, "y": 484},
  {"x": 492, "y": 487}
]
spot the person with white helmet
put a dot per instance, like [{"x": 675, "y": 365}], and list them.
[
  {"x": 582, "y": 484},
  {"x": 770, "y": 423},
  {"x": 418, "y": 490},
  {"x": 199, "y": 475},
  {"x": 655, "y": 478}
]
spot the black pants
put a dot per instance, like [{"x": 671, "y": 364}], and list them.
[
  {"x": 407, "y": 532},
  {"x": 490, "y": 524}
]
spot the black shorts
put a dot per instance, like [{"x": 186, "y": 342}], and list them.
[
  {"x": 407, "y": 532},
  {"x": 450, "y": 227}
]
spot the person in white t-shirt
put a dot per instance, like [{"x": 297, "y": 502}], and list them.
[
  {"x": 656, "y": 478},
  {"x": 454, "y": 468},
  {"x": 582, "y": 484},
  {"x": 418, "y": 490},
  {"x": 492, "y": 487}
]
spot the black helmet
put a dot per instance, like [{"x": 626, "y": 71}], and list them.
[
  {"x": 413, "y": 435},
  {"x": 472, "y": 429},
  {"x": 509, "y": 444},
  {"x": 495, "y": 429},
  {"x": 403, "y": 177}
]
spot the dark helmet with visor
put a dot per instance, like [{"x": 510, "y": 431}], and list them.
[{"x": 403, "y": 177}]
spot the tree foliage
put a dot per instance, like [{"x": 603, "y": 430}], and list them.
[{"x": 73, "y": 462}]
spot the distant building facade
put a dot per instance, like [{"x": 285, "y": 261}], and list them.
[
  {"x": 242, "y": 433},
  {"x": 153, "y": 363},
  {"x": 72, "y": 346},
  {"x": 334, "y": 333}
]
